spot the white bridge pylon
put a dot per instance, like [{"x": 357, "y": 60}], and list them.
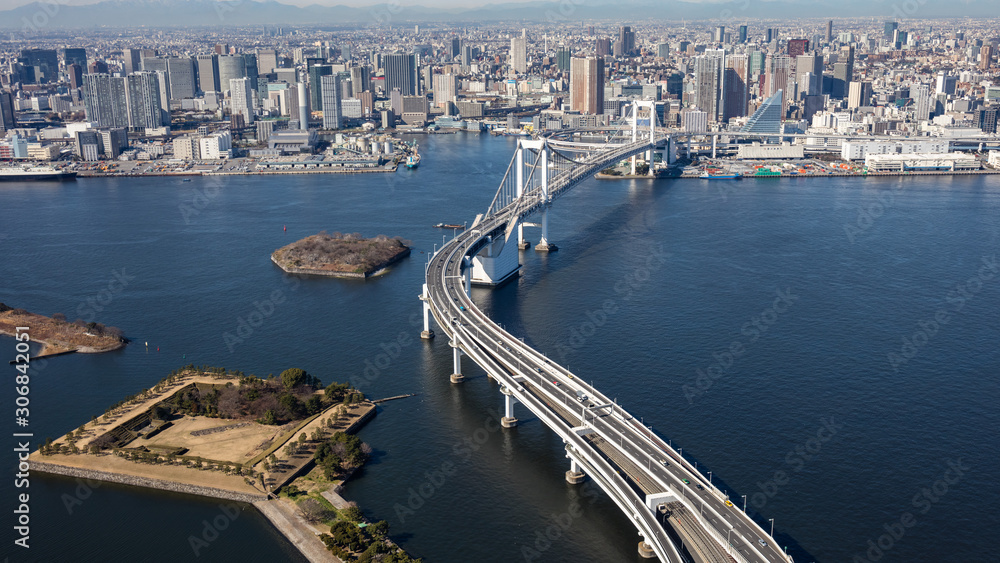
[{"x": 540, "y": 170}]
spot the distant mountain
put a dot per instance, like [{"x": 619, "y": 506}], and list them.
[{"x": 168, "y": 13}]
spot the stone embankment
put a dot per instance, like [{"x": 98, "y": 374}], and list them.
[{"x": 136, "y": 481}]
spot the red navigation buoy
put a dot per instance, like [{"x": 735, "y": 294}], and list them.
[
  {"x": 285, "y": 228},
  {"x": 157, "y": 348}
]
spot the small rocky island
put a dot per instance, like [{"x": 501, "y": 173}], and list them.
[
  {"x": 58, "y": 335},
  {"x": 340, "y": 255}
]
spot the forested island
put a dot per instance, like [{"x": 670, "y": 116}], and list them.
[{"x": 340, "y": 255}]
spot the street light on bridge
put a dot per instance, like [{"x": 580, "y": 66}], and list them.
[
  {"x": 744, "y": 504},
  {"x": 772, "y": 527}
]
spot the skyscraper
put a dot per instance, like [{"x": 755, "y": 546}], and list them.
[
  {"x": 231, "y": 67},
  {"x": 986, "y": 57},
  {"x": 921, "y": 95},
  {"x": 797, "y": 47},
  {"x": 75, "y": 57},
  {"x": 586, "y": 86},
  {"x": 809, "y": 72},
  {"x": 860, "y": 94},
  {"x": 360, "y": 82},
  {"x": 603, "y": 47},
  {"x": 6, "y": 112},
  {"x": 720, "y": 33},
  {"x": 250, "y": 68},
  {"x": 708, "y": 83},
  {"x": 75, "y": 74},
  {"x": 267, "y": 61},
  {"x": 743, "y": 34},
  {"x": 445, "y": 89},
  {"x": 519, "y": 54},
  {"x": 330, "y": 93},
  {"x": 777, "y": 73},
  {"x": 889, "y": 31},
  {"x": 242, "y": 98},
  {"x": 46, "y": 60},
  {"x": 735, "y": 87},
  {"x": 563, "y": 58},
  {"x": 180, "y": 71},
  {"x": 131, "y": 60},
  {"x": 142, "y": 91},
  {"x": 627, "y": 37},
  {"x": 401, "y": 74},
  {"x": 829, "y": 31},
  {"x": 767, "y": 118},
  {"x": 316, "y": 74},
  {"x": 104, "y": 100},
  {"x": 208, "y": 73}
]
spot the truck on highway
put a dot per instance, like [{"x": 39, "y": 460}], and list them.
[{"x": 581, "y": 396}]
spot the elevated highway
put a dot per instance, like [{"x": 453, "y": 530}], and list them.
[{"x": 680, "y": 515}]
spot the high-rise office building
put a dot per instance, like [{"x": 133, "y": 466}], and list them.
[
  {"x": 231, "y": 67},
  {"x": 809, "y": 71},
  {"x": 250, "y": 67},
  {"x": 142, "y": 90},
  {"x": 208, "y": 73},
  {"x": 45, "y": 60},
  {"x": 779, "y": 69},
  {"x": 946, "y": 84},
  {"x": 768, "y": 117},
  {"x": 586, "y": 85},
  {"x": 316, "y": 74},
  {"x": 519, "y": 54},
  {"x": 663, "y": 50},
  {"x": 330, "y": 100},
  {"x": 743, "y": 34},
  {"x": 563, "y": 58},
  {"x": 241, "y": 95},
  {"x": 756, "y": 61},
  {"x": 105, "y": 101},
  {"x": 889, "y": 31},
  {"x": 7, "y": 121},
  {"x": 180, "y": 71},
  {"x": 602, "y": 47},
  {"x": 267, "y": 61},
  {"x": 154, "y": 64},
  {"x": 720, "y": 33},
  {"x": 454, "y": 48},
  {"x": 627, "y": 37},
  {"x": 859, "y": 94},
  {"x": 401, "y": 74},
  {"x": 445, "y": 89},
  {"x": 797, "y": 47},
  {"x": 360, "y": 81},
  {"x": 75, "y": 74},
  {"x": 131, "y": 60},
  {"x": 75, "y": 56},
  {"x": 735, "y": 87}
]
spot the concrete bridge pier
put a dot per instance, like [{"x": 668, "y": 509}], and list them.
[
  {"x": 645, "y": 551},
  {"x": 427, "y": 333},
  {"x": 574, "y": 476},
  {"x": 456, "y": 376},
  {"x": 508, "y": 420},
  {"x": 521, "y": 243},
  {"x": 543, "y": 243}
]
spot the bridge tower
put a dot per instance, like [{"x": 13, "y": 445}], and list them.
[
  {"x": 648, "y": 108},
  {"x": 540, "y": 181}
]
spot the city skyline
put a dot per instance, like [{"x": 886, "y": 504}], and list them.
[{"x": 82, "y": 13}]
